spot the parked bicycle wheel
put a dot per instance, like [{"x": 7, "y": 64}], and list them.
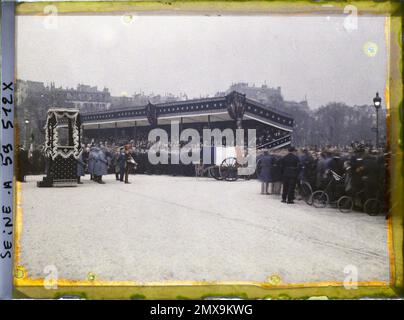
[
  {"x": 372, "y": 207},
  {"x": 320, "y": 199},
  {"x": 345, "y": 204}
]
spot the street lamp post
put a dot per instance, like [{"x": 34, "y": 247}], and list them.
[{"x": 377, "y": 102}]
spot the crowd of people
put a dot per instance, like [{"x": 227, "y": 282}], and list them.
[
  {"x": 362, "y": 167},
  {"x": 353, "y": 170},
  {"x": 98, "y": 160}
]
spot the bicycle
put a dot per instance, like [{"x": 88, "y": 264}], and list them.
[{"x": 321, "y": 198}]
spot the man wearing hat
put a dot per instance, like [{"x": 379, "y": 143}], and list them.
[
  {"x": 116, "y": 162},
  {"x": 290, "y": 168},
  {"x": 129, "y": 162}
]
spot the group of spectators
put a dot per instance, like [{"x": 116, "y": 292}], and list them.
[
  {"x": 98, "y": 160},
  {"x": 279, "y": 171},
  {"x": 357, "y": 168}
]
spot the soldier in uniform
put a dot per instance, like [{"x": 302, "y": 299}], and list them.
[
  {"x": 100, "y": 165},
  {"x": 115, "y": 163},
  {"x": 290, "y": 167},
  {"x": 130, "y": 163}
]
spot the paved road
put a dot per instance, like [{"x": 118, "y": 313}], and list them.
[{"x": 183, "y": 228}]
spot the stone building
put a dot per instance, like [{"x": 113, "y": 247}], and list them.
[
  {"x": 84, "y": 97},
  {"x": 263, "y": 94}
]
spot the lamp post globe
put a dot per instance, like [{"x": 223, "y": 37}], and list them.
[{"x": 377, "y": 102}]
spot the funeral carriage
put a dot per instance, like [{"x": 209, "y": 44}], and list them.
[{"x": 62, "y": 147}]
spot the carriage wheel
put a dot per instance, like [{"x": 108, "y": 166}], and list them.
[
  {"x": 320, "y": 199},
  {"x": 228, "y": 169},
  {"x": 372, "y": 207},
  {"x": 214, "y": 172},
  {"x": 345, "y": 204}
]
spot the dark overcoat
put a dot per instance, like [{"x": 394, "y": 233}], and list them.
[
  {"x": 290, "y": 166},
  {"x": 264, "y": 168},
  {"x": 101, "y": 163},
  {"x": 276, "y": 169},
  {"x": 80, "y": 166}
]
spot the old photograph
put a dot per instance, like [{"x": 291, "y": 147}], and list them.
[{"x": 202, "y": 148}]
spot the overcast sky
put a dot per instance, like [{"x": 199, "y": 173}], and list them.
[{"x": 199, "y": 55}]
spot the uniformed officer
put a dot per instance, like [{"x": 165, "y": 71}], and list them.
[
  {"x": 290, "y": 167},
  {"x": 130, "y": 163}
]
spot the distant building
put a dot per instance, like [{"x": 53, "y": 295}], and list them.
[
  {"x": 290, "y": 105},
  {"x": 269, "y": 96},
  {"x": 263, "y": 93},
  {"x": 29, "y": 88},
  {"x": 141, "y": 99},
  {"x": 85, "y": 98}
]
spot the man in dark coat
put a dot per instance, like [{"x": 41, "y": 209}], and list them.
[
  {"x": 23, "y": 163},
  {"x": 116, "y": 164},
  {"x": 336, "y": 165},
  {"x": 306, "y": 167},
  {"x": 372, "y": 171},
  {"x": 121, "y": 163},
  {"x": 290, "y": 168},
  {"x": 91, "y": 162},
  {"x": 357, "y": 169}
]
